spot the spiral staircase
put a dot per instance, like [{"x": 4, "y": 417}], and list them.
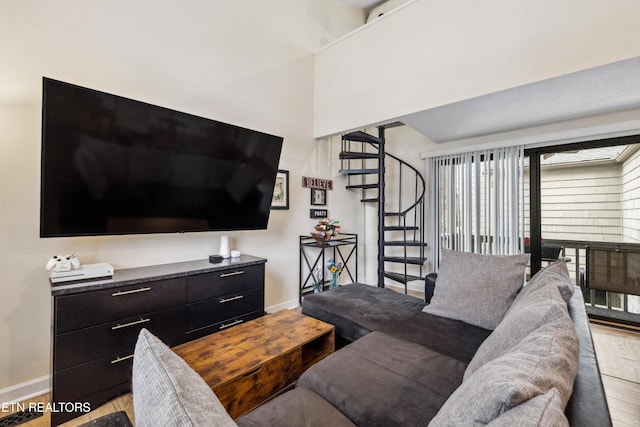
[{"x": 400, "y": 202}]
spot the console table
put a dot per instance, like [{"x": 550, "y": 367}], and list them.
[
  {"x": 247, "y": 365},
  {"x": 96, "y": 324},
  {"x": 313, "y": 254}
]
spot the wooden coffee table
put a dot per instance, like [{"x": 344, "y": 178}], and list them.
[{"x": 250, "y": 363}]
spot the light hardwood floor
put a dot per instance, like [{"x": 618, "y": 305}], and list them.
[{"x": 618, "y": 354}]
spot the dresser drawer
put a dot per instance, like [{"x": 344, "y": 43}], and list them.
[
  {"x": 225, "y": 324},
  {"x": 210, "y": 285},
  {"x": 205, "y": 313},
  {"x": 93, "y": 308},
  {"x": 73, "y": 384},
  {"x": 80, "y": 346},
  {"x": 254, "y": 387}
]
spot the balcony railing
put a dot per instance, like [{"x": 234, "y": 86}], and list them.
[{"x": 601, "y": 269}]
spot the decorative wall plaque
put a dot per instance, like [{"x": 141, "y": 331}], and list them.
[
  {"x": 318, "y": 213},
  {"x": 324, "y": 184}
]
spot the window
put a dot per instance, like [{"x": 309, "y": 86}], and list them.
[{"x": 479, "y": 201}]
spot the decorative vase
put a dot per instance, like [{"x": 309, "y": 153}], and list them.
[
  {"x": 317, "y": 288},
  {"x": 334, "y": 281}
]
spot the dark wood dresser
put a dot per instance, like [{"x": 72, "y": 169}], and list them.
[{"x": 96, "y": 324}]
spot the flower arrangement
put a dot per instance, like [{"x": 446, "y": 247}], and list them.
[
  {"x": 325, "y": 229},
  {"x": 335, "y": 269}
]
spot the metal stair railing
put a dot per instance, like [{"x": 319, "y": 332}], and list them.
[{"x": 413, "y": 235}]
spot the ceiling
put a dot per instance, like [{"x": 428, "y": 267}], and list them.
[
  {"x": 601, "y": 90},
  {"x": 364, "y": 4}
]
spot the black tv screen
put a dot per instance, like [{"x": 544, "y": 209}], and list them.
[{"x": 113, "y": 165}]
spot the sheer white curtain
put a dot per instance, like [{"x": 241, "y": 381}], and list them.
[{"x": 478, "y": 200}]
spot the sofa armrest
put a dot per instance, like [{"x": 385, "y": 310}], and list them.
[
  {"x": 588, "y": 403},
  {"x": 429, "y": 286}
]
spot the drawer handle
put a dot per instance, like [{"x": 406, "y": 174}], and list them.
[
  {"x": 121, "y": 359},
  {"x": 222, "y": 301},
  {"x": 126, "y": 325},
  {"x": 235, "y": 273},
  {"x": 234, "y": 323},
  {"x": 134, "y": 291}
]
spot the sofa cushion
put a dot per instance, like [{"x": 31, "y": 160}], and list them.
[
  {"x": 295, "y": 408},
  {"x": 477, "y": 289},
  {"x": 358, "y": 309},
  {"x": 537, "y": 304},
  {"x": 450, "y": 337},
  {"x": 558, "y": 274},
  {"x": 546, "y": 358},
  {"x": 385, "y": 381},
  {"x": 166, "y": 391},
  {"x": 541, "y": 411}
]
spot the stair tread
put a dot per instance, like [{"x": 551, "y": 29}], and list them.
[
  {"x": 407, "y": 260},
  {"x": 345, "y": 155},
  {"x": 361, "y": 137},
  {"x": 365, "y": 186},
  {"x": 402, "y": 278},
  {"x": 400, "y": 228},
  {"x": 358, "y": 171},
  {"x": 403, "y": 243}
]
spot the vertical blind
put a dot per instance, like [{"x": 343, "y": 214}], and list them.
[{"x": 479, "y": 202}]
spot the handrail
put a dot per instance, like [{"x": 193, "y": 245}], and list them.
[
  {"x": 594, "y": 244},
  {"x": 419, "y": 175},
  {"x": 600, "y": 303},
  {"x": 412, "y": 235}
]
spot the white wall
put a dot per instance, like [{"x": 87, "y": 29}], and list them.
[
  {"x": 246, "y": 62},
  {"x": 433, "y": 53}
]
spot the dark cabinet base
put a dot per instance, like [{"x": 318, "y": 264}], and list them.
[{"x": 96, "y": 326}]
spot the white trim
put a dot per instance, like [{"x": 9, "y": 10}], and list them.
[
  {"x": 25, "y": 390},
  {"x": 365, "y": 25},
  {"x": 292, "y": 303},
  {"x": 414, "y": 285},
  {"x": 541, "y": 139}
]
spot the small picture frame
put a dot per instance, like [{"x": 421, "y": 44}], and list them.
[
  {"x": 318, "y": 197},
  {"x": 280, "y": 199}
]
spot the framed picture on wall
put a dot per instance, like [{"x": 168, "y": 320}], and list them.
[
  {"x": 318, "y": 197},
  {"x": 280, "y": 199}
]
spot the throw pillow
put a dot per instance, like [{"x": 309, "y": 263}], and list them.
[
  {"x": 537, "y": 304},
  {"x": 167, "y": 392},
  {"x": 477, "y": 289},
  {"x": 557, "y": 273},
  {"x": 545, "y": 359},
  {"x": 541, "y": 411}
]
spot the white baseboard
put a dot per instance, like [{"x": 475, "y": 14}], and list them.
[
  {"x": 292, "y": 303},
  {"x": 415, "y": 285},
  {"x": 26, "y": 390}
]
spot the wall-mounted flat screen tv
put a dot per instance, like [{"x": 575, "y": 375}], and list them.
[{"x": 113, "y": 165}]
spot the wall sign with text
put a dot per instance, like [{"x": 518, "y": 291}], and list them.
[
  {"x": 318, "y": 213},
  {"x": 324, "y": 184}
]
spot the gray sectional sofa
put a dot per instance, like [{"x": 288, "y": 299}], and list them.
[{"x": 483, "y": 351}]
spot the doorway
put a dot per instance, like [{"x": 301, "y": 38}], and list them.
[{"x": 585, "y": 207}]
